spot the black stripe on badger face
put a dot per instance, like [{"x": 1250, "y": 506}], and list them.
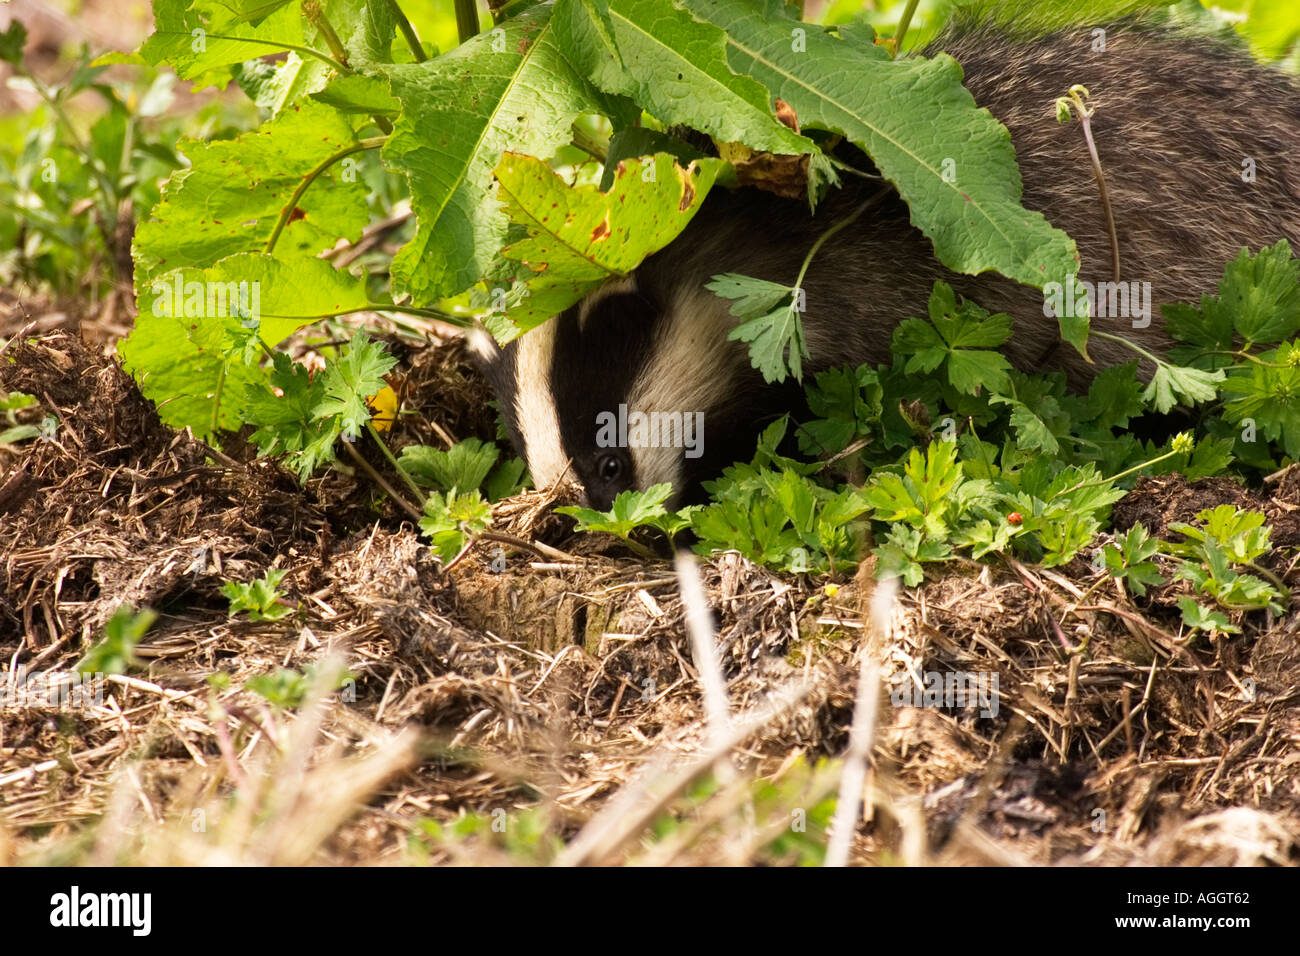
[
  {"x": 600, "y": 348},
  {"x": 621, "y": 347}
]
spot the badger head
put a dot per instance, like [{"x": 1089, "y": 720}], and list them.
[{"x": 633, "y": 386}]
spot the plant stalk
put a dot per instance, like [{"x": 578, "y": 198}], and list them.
[{"x": 408, "y": 32}]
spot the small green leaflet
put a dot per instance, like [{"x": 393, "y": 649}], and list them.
[
  {"x": 312, "y": 412},
  {"x": 847, "y": 403},
  {"x": 350, "y": 379},
  {"x": 1268, "y": 396},
  {"x": 1180, "y": 383},
  {"x": 450, "y": 520},
  {"x": 260, "y": 598},
  {"x": 960, "y": 339},
  {"x": 770, "y": 323},
  {"x": 464, "y": 466},
  {"x": 115, "y": 654},
  {"x": 288, "y": 422},
  {"x": 630, "y": 510},
  {"x": 578, "y": 237},
  {"x": 1200, "y": 618},
  {"x": 1128, "y": 559}
]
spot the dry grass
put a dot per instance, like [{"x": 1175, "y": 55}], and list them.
[{"x": 561, "y": 699}]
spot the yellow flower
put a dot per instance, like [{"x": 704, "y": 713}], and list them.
[{"x": 384, "y": 402}]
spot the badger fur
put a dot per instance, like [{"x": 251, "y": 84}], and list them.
[{"x": 1176, "y": 117}]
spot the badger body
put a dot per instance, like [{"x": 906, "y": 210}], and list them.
[{"x": 1176, "y": 119}]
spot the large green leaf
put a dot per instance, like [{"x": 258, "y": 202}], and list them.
[
  {"x": 191, "y": 341},
  {"x": 675, "y": 67},
  {"x": 580, "y": 237},
  {"x": 202, "y": 40},
  {"x": 952, "y": 162},
  {"x": 508, "y": 89},
  {"x": 230, "y": 198}
]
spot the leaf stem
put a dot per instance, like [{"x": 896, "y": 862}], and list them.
[
  {"x": 392, "y": 460},
  {"x": 1076, "y": 96},
  {"x": 1246, "y": 356},
  {"x": 280, "y": 45},
  {"x": 1133, "y": 345},
  {"x": 315, "y": 15},
  {"x": 904, "y": 22},
  {"x": 379, "y": 479},
  {"x": 466, "y": 19},
  {"x": 590, "y": 146},
  {"x": 408, "y": 32},
  {"x": 216, "y": 397},
  {"x": 448, "y": 317},
  {"x": 836, "y": 227},
  {"x": 373, "y": 142}
]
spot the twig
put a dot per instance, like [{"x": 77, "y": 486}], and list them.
[{"x": 537, "y": 547}]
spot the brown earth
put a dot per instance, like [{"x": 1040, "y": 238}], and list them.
[{"x": 548, "y": 677}]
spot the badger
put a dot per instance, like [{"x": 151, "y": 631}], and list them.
[{"x": 1178, "y": 119}]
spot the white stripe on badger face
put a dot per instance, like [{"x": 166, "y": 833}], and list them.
[
  {"x": 535, "y": 411},
  {"x": 480, "y": 342},
  {"x": 690, "y": 370}
]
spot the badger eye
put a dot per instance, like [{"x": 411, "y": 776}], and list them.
[{"x": 609, "y": 467}]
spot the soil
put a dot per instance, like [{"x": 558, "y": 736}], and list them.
[{"x": 548, "y": 679}]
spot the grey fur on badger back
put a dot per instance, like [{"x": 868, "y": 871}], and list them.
[{"x": 1175, "y": 117}]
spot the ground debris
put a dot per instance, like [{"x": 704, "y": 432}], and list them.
[{"x": 547, "y": 673}]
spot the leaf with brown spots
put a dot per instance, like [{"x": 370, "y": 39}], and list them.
[{"x": 578, "y": 237}]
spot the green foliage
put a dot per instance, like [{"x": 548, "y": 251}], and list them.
[
  {"x": 771, "y": 324},
  {"x": 73, "y": 167},
  {"x": 115, "y": 654},
  {"x": 451, "y": 519},
  {"x": 10, "y": 404},
  {"x": 958, "y": 341},
  {"x": 910, "y": 115},
  {"x": 287, "y": 688},
  {"x": 927, "y": 504},
  {"x": 1240, "y": 337},
  {"x": 580, "y": 237},
  {"x": 847, "y": 403},
  {"x": 780, "y": 517},
  {"x": 482, "y": 122},
  {"x": 1226, "y": 538},
  {"x": 465, "y": 465},
  {"x": 522, "y": 835},
  {"x": 1128, "y": 559},
  {"x": 632, "y": 510},
  {"x": 261, "y": 597}
]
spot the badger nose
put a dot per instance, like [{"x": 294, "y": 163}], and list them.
[{"x": 569, "y": 491}]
